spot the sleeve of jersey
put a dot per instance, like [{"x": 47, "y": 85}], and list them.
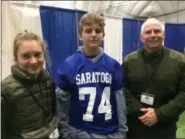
[
  {"x": 121, "y": 106},
  {"x": 121, "y": 110},
  {"x": 63, "y": 95},
  {"x": 117, "y": 78},
  {"x": 177, "y": 105},
  {"x": 63, "y": 106},
  {"x": 63, "y": 76}
]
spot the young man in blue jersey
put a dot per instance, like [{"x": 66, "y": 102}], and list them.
[{"x": 90, "y": 100}]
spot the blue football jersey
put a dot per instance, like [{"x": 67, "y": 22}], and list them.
[{"x": 92, "y": 86}]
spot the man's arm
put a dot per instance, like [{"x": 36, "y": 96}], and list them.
[
  {"x": 133, "y": 105},
  {"x": 176, "y": 106}
]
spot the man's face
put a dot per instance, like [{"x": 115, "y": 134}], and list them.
[
  {"x": 92, "y": 36},
  {"x": 152, "y": 37}
]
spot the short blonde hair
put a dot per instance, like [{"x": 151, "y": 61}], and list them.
[
  {"x": 152, "y": 21},
  {"x": 89, "y": 19}
]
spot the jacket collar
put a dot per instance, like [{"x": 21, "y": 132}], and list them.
[{"x": 25, "y": 76}]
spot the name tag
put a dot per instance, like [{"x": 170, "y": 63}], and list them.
[
  {"x": 147, "y": 99},
  {"x": 54, "y": 134}
]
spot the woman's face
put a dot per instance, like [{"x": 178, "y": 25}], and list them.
[{"x": 30, "y": 57}]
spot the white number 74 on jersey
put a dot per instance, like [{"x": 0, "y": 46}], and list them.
[{"x": 104, "y": 107}]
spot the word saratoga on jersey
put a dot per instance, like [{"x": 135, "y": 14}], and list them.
[{"x": 93, "y": 77}]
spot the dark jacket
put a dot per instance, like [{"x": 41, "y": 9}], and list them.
[
  {"x": 167, "y": 86},
  {"x": 23, "y": 115}
]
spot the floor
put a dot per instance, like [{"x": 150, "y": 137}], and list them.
[{"x": 181, "y": 126}]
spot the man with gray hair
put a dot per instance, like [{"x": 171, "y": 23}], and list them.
[{"x": 154, "y": 84}]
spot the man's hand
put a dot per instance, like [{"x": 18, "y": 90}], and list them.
[{"x": 149, "y": 118}]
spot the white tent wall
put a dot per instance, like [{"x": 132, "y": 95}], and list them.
[
  {"x": 14, "y": 21},
  {"x": 1, "y": 44},
  {"x": 174, "y": 18},
  {"x": 113, "y": 38},
  {"x": 168, "y": 11}
]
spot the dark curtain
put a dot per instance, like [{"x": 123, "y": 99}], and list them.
[
  {"x": 59, "y": 28},
  {"x": 79, "y": 15},
  {"x": 175, "y": 36},
  {"x": 131, "y": 35}
]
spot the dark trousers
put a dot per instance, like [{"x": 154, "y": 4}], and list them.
[
  {"x": 145, "y": 134},
  {"x": 137, "y": 130}
]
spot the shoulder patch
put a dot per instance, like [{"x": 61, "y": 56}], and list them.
[
  {"x": 132, "y": 55},
  {"x": 176, "y": 55}
]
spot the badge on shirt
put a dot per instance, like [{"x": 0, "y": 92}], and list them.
[
  {"x": 147, "y": 98},
  {"x": 54, "y": 134}
]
